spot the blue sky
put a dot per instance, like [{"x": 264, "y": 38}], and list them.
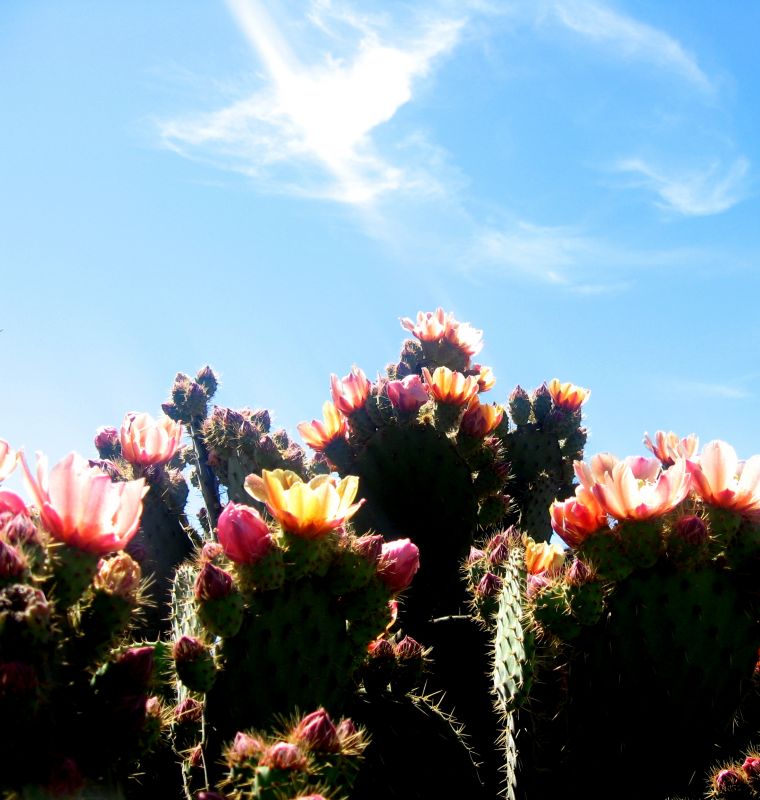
[{"x": 267, "y": 187}]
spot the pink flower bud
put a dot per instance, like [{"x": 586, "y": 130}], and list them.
[
  {"x": 536, "y": 583},
  {"x": 317, "y": 732},
  {"x": 11, "y": 502},
  {"x": 12, "y": 562},
  {"x": 244, "y": 748},
  {"x": 475, "y": 555},
  {"x": 212, "y": 583},
  {"x": 728, "y": 782},
  {"x": 578, "y": 574},
  {"x": 188, "y": 648},
  {"x": 399, "y": 561},
  {"x": 283, "y": 755},
  {"x": 195, "y": 760},
  {"x": 243, "y": 534},
  {"x": 489, "y": 585},
  {"x": 381, "y": 649},
  {"x": 107, "y": 441},
  {"x": 751, "y": 767},
  {"x": 408, "y": 649},
  {"x": 692, "y": 530},
  {"x": 347, "y": 730},
  {"x": 211, "y": 551},
  {"x": 20, "y": 530},
  {"x": 189, "y": 710},
  {"x": 498, "y": 554},
  {"x": 134, "y": 667},
  {"x": 370, "y": 547},
  {"x": 210, "y": 795},
  {"x": 408, "y": 394}
]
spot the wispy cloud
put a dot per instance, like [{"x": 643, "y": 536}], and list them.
[
  {"x": 711, "y": 190},
  {"x": 720, "y": 390},
  {"x": 629, "y": 38},
  {"x": 308, "y": 129}
]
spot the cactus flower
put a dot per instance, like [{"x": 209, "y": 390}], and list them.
[
  {"x": 243, "y": 534},
  {"x": 408, "y": 394},
  {"x": 398, "y": 563},
  {"x": 318, "y": 435},
  {"x": 431, "y": 326},
  {"x": 480, "y": 420},
  {"x": 350, "y": 393},
  {"x": 486, "y": 378},
  {"x": 146, "y": 441},
  {"x": 636, "y": 488},
  {"x": 80, "y": 505},
  {"x": 450, "y": 387},
  {"x": 11, "y": 503},
  {"x": 464, "y": 337},
  {"x": 574, "y": 519},
  {"x": 119, "y": 575},
  {"x": 543, "y": 557},
  {"x": 567, "y": 396},
  {"x": 668, "y": 448},
  {"x": 305, "y": 509},
  {"x": 8, "y": 459},
  {"x": 722, "y": 480}
]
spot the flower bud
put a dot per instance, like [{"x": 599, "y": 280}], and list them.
[
  {"x": 243, "y": 534},
  {"x": 370, "y": 546},
  {"x": 489, "y": 585},
  {"x": 210, "y": 795},
  {"x": 12, "y": 562},
  {"x": 244, "y": 748},
  {"x": 519, "y": 406},
  {"x": 692, "y": 530},
  {"x": 212, "y": 583},
  {"x": 408, "y": 649},
  {"x": 211, "y": 551},
  {"x": 730, "y": 783},
  {"x": 751, "y": 767},
  {"x": 475, "y": 555},
  {"x": 207, "y": 380},
  {"x": 188, "y": 711},
  {"x": 188, "y": 648},
  {"x": 134, "y": 667},
  {"x": 541, "y": 403},
  {"x": 317, "y": 732},
  {"x": 399, "y": 561},
  {"x": 107, "y": 441},
  {"x": 578, "y": 574},
  {"x": 19, "y": 530},
  {"x": 347, "y": 730},
  {"x": 283, "y": 755},
  {"x": 381, "y": 649},
  {"x": 119, "y": 575}
]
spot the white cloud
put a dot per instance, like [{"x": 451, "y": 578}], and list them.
[
  {"x": 719, "y": 390},
  {"x": 314, "y": 121},
  {"x": 711, "y": 190},
  {"x": 629, "y": 38}
]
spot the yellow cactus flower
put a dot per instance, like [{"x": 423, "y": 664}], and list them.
[
  {"x": 542, "y": 556},
  {"x": 567, "y": 395},
  {"x": 305, "y": 509},
  {"x": 449, "y": 387},
  {"x": 318, "y": 435}
]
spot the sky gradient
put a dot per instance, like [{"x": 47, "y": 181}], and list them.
[{"x": 268, "y": 187}]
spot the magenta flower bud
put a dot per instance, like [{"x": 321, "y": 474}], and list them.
[
  {"x": 135, "y": 666},
  {"x": 536, "y": 583},
  {"x": 578, "y": 574},
  {"x": 381, "y": 649},
  {"x": 20, "y": 530},
  {"x": 408, "y": 394},
  {"x": 207, "y": 380},
  {"x": 261, "y": 418},
  {"x": 498, "y": 554},
  {"x": 370, "y": 547},
  {"x": 399, "y": 561},
  {"x": 751, "y": 767},
  {"x": 188, "y": 648},
  {"x": 728, "y": 782},
  {"x": 189, "y": 710},
  {"x": 211, "y": 551},
  {"x": 244, "y": 748},
  {"x": 317, "y": 732},
  {"x": 107, "y": 441},
  {"x": 212, "y": 583},
  {"x": 475, "y": 555},
  {"x": 692, "y": 530},
  {"x": 346, "y": 730},
  {"x": 209, "y": 795},
  {"x": 283, "y": 755},
  {"x": 408, "y": 649},
  {"x": 195, "y": 760},
  {"x": 243, "y": 534},
  {"x": 12, "y": 562},
  {"x": 489, "y": 585}
]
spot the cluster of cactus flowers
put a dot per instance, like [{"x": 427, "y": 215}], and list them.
[{"x": 134, "y": 648}]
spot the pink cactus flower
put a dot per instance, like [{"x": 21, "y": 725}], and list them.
[
  {"x": 431, "y": 326},
  {"x": 350, "y": 393},
  {"x": 8, "y": 459},
  {"x": 408, "y": 394},
  {"x": 399, "y": 561},
  {"x": 145, "y": 441},
  {"x": 638, "y": 488},
  {"x": 576, "y": 518},
  {"x": 464, "y": 337},
  {"x": 567, "y": 396},
  {"x": 318, "y": 435},
  {"x": 243, "y": 534},
  {"x": 11, "y": 503},
  {"x": 668, "y": 448},
  {"x": 80, "y": 505},
  {"x": 450, "y": 387},
  {"x": 480, "y": 420},
  {"x": 720, "y": 479}
]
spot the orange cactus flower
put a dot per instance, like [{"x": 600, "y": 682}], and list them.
[
  {"x": 567, "y": 395},
  {"x": 146, "y": 441},
  {"x": 350, "y": 394},
  {"x": 721, "y": 479},
  {"x": 479, "y": 420},
  {"x": 318, "y": 435},
  {"x": 450, "y": 387},
  {"x": 542, "y": 557},
  {"x": 80, "y": 505},
  {"x": 576, "y": 518},
  {"x": 305, "y": 509},
  {"x": 634, "y": 489},
  {"x": 431, "y": 326},
  {"x": 486, "y": 378},
  {"x": 8, "y": 459},
  {"x": 669, "y": 448}
]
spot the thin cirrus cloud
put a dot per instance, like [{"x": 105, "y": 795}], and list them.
[
  {"x": 694, "y": 193},
  {"x": 309, "y": 129},
  {"x": 629, "y": 38}
]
